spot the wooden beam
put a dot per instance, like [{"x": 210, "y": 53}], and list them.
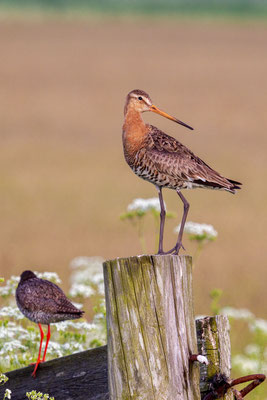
[
  {"x": 81, "y": 376},
  {"x": 151, "y": 328}
]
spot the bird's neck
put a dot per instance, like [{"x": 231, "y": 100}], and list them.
[{"x": 134, "y": 131}]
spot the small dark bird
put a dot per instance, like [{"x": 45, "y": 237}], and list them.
[
  {"x": 43, "y": 302},
  {"x": 163, "y": 161}
]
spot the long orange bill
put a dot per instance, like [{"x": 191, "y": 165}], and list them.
[{"x": 160, "y": 112}]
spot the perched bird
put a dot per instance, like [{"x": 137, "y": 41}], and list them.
[
  {"x": 162, "y": 160},
  {"x": 43, "y": 302}
]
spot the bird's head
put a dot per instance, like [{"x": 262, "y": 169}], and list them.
[
  {"x": 140, "y": 101},
  {"x": 27, "y": 275}
]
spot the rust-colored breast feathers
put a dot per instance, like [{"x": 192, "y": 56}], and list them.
[{"x": 134, "y": 135}]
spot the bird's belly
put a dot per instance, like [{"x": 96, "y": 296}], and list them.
[
  {"x": 152, "y": 175},
  {"x": 39, "y": 317},
  {"x": 46, "y": 318}
]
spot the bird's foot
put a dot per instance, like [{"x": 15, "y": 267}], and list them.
[
  {"x": 175, "y": 250},
  {"x": 161, "y": 253},
  {"x": 35, "y": 368},
  {"x": 39, "y": 362}
]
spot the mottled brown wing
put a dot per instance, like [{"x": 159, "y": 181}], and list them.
[
  {"x": 45, "y": 296},
  {"x": 172, "y": 158}
]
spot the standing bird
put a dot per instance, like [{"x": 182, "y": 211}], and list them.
[
  {"x": 43, "y": 302},
  {"x": 162, "y": 160}
]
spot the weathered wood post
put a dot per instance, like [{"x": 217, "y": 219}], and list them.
[
  {"x": 214, "y": 343},
  {"x": 151, "y": 328}
]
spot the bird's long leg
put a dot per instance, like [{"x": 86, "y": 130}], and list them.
[
  {"x": 47, "y": 341},
  {"x": 162, "y": 219},
  {"x": 40, "y": 349},
  {"x": 178, "y": 245}
]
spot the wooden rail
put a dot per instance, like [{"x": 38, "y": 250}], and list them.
[{"x": 81, "y": 376}]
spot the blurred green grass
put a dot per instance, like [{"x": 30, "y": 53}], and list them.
[{"x": 234, "y": 8}]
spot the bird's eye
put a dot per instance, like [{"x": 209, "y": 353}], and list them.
[{"x": 140, "y": 98}]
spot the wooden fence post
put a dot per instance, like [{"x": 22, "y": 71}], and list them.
[
  {"x": 214, "y": 343},
  {"x": 151, "y": 328}
]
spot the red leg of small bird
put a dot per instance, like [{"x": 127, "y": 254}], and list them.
[
  {"x": 47, "y": 341},
  {"x": 40, "y": 349},
  {"x": 178, "y": 245},
  {"x": 162, "y": 219}
]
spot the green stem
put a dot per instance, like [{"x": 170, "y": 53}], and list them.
[{"x": 197, "y": 253}]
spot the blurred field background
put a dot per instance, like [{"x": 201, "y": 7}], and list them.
[{"x": 65, "y": 70}]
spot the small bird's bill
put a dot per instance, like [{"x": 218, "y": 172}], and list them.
[{"x": 160, "y": 112}]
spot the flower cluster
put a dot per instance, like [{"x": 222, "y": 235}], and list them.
[
  {"x": 3, "y": 379},
  {"x": 87, "y": 277},
  {"x": 198, "y": 232},
  {"x": 7, "y": 394},
  {"x": 33, "y": 395},
  {"x": 136, "y": 213},
  {"x": 144, "y": 205},
  {"x": 254, "y": 358},
  {"x": 237, "y": 313}
]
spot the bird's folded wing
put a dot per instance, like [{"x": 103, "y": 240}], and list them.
[
  {"x": 46, "y": 297},
  {"x": 172, "y": 158}
]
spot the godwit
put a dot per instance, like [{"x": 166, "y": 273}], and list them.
[
  {"x": 162, "y": 160},
  {"x": 43, "y": 302}
]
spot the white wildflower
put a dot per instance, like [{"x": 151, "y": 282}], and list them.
[
  {"x": 193, "y": 228},
  {"x": 253, "y": 349},
  {"x": 10, "y": 311},
  {"x": 259, "y": 325},
  {"x": 101, "y": 288},
  {"x": 145, "y": 205},
  {"x": 245, "y": 364},
  {"x": 237, "y": 313},
  {"x": 62, "y": 326},
  {"x": 98, "y": 278},
  {"x": 50, "y": 276},
  {"x": 10, "y": 287},
  {"x": 3, "y": 378},
  {"x": 88, "y": 276},
  {"x": 11, "y": 346},
  {"x": 94, "y": 264},
  {"x": 99, "y": 318},
  {"x": 79, "y": 289},
  {"x": 7, "y": 394},
  {"x": 11, "y": 330}
]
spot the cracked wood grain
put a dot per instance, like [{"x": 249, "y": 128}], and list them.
[
  {"x": 214, "y": 343},
  {"x": 151, "y": 328},
  {"x": 80, "y": 376}
]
